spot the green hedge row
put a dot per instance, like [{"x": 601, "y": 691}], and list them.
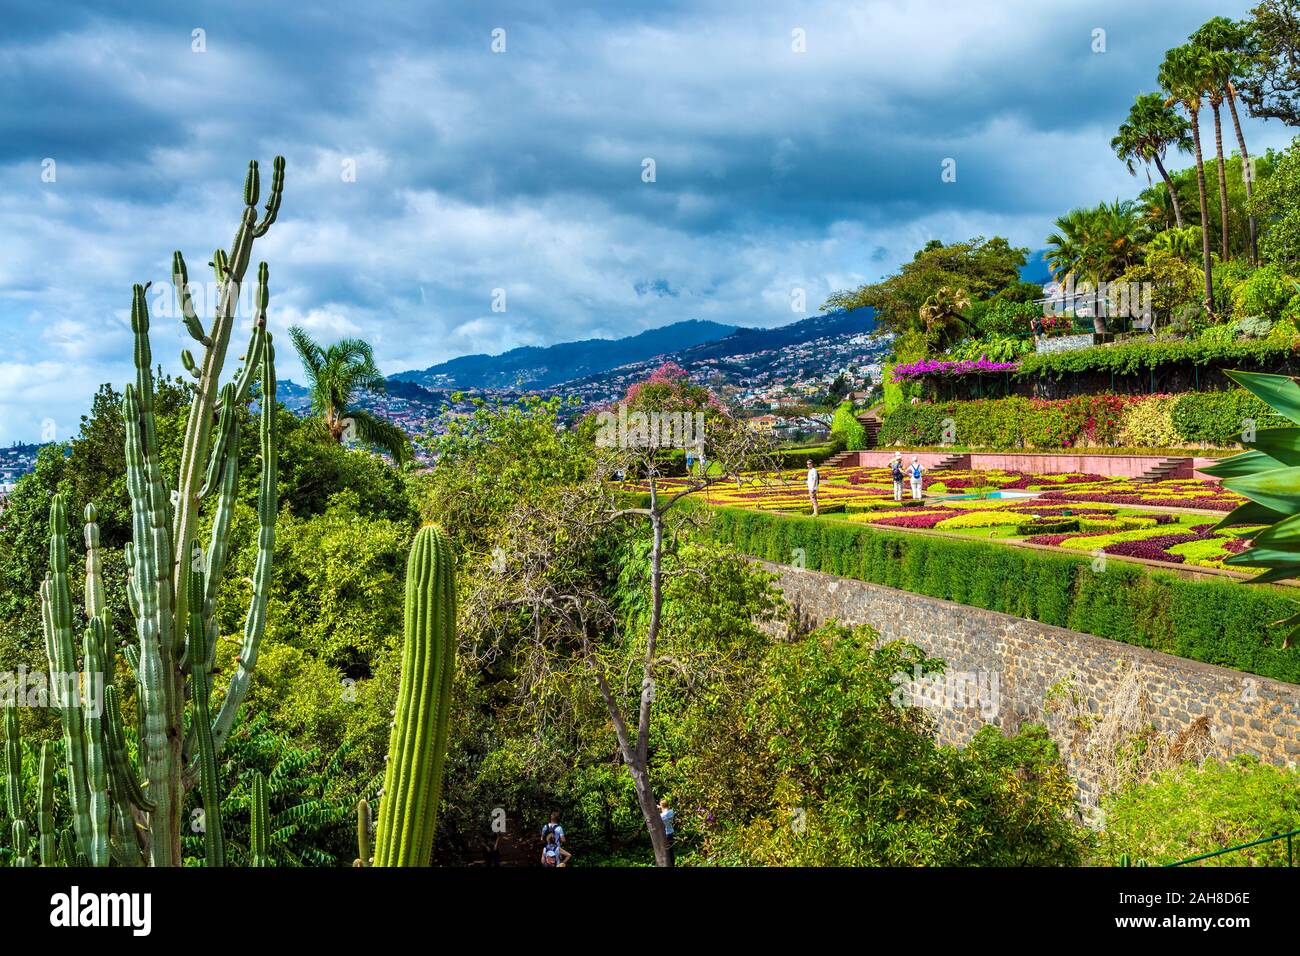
[
  {"x": 1220, "y": 622},
  {"x": 1193, "y": 418},
  {"x": 1131, "y": 358}
]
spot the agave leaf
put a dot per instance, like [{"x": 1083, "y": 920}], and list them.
[
  {"x": 1282, "y": 536},
  {"x": 1280, "y": 391},
  {"x": 1277, "y": 488},
  {"x": 1247, "y": 463},
  {"x": 1274, "y": 575},
  {"x": 1264, "y": 558},
  {"x": 1281, "y": 444},
  {"x": 1250, "y": 513}
]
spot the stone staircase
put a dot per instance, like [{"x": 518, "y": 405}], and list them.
[
  {"x": 951, "y": 461},
  {"x": 1163, "y": 468}
]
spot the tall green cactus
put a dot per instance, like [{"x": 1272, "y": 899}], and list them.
[
  {"x": 417, "y": 748},
  {"x": 172, "y": 584},
  {"x": 259, "y": 823}
]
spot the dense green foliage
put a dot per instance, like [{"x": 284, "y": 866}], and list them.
[
  {"x": 1193, "y": 808},
  {"x": 816, "y": 760},
  {"x": 846, "y": 430},
  {"x": 1215, "y": 621}
]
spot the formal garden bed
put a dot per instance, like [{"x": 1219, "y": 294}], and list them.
[{"x": 1167, "y": 521}]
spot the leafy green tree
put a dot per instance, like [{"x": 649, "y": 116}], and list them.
[
  {"x": 1152, "y": 128},
  {"x": 980, "y": 266},
  {"x": 1271, "y": 87},
  {"x": 335, "y": 375},
  {"x": 1278, "y": 205}
]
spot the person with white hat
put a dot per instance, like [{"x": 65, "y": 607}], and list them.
[{"x": 896, "y": 473}]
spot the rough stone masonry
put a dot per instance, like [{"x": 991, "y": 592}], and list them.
[{"x": 1116, "y": 711}]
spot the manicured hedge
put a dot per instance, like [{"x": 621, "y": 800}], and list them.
[
  {"x": 1220, "y": 622},
  {"x": 1188, "y": 418},
  {"x": 1131, "y": 358}
]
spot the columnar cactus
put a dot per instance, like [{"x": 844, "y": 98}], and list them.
[
  {"x": 417, "y": 748},
  {"x": 172, "y": 584},
  {"x": 259, "y": 824}
]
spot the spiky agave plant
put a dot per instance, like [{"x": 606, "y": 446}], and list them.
[{"x": 1268, "y": 474}]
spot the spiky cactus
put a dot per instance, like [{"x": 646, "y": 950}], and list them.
[
  {"x": 363, "y": 833},
  {"x": 259, "y": 823},
  {"x": 172, "y": 584},
  {"x": 417, "y": 748}
]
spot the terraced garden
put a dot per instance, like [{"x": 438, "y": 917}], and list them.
[{"x": 1169, "y": 521}]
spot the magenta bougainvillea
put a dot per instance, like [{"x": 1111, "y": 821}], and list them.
[{"x": 914, "y": 370}]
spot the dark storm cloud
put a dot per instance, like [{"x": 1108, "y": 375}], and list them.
[{"x": 522, "y": 171}]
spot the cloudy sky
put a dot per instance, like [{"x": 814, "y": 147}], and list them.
[{"x": 794, "y": 146}]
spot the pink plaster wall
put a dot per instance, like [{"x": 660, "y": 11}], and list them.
[{"x": 1122, "y": 466}]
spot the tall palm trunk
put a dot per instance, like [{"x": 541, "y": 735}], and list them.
[
  {"x": 1173, "y": 193},
  {"x": 1223, "y": 180},
  {"x": 1205, "y": 211},
  {"x": 1246, "y": 172}
]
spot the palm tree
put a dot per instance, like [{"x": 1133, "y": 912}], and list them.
[
  {"x": 1097, "y": 244},
  {"x": 334, "y": 375},
  {"x": 1231, "y": 45},
  {"x": 1153, "y": 127},
  {"x": 1183, "y": 74},
  {"x": 942, "y": 315}
]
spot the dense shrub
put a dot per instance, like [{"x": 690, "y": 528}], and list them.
[
  {"x": 1149, "y": 423},
  {"x": 1266, "y": 293},
  {"x": 1188, "y": 810},
  {"x": 1216, "y": 621},
  {"x": 1217, "y": 418},
  {"x": 1132, "y": 358},
  {"x": 846, "y": 430},
  {"x": 1153, "y": 421}
]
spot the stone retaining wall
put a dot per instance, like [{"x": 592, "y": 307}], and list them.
[{"x": 1111, "y": 707}]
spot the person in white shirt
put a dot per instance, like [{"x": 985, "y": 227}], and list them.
[
  {"x": 814, "y": 480},
  {"x": 914, "y": 472}
]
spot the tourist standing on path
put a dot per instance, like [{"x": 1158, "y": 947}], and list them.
[
  {"x": 896, "y": 472},
  {"x": 554, "y": 855},
  {"x": 814, "y": 480},
  {"x": 666, "y": 814},
  {"x": 553, "y": 832},
  {"x": 915, "y": 472}
]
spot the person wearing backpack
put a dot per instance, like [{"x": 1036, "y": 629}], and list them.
[
  {"x": 553, "y": 832},
  {"x": 896, "y": 473},
  {"x": 915, "y": 472}
]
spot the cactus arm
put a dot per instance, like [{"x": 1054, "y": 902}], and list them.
[
  {"x": 418, "y": 744},
  {"x": 13, "y": 764},
  {"x": 225, "y": 437},
  {"x": 363, "y": 833},
  {"x": 94, "y": 566},
  {"x": 47, "y": 838},
  {"x": 181, "y": 282},
  {"x": 119, "y": 760},
  {"x": 63, "y": 680},
  {"x": 255, "y": 621},
  {"x": 201, "y": 690},
  {"x": 259, "y": 825},
  {"x": 273, "y": 203},
  {"x": 22, "y": 852},
  {"x": 154, "y": 653},
  {"x": 96, "y": 765}
]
